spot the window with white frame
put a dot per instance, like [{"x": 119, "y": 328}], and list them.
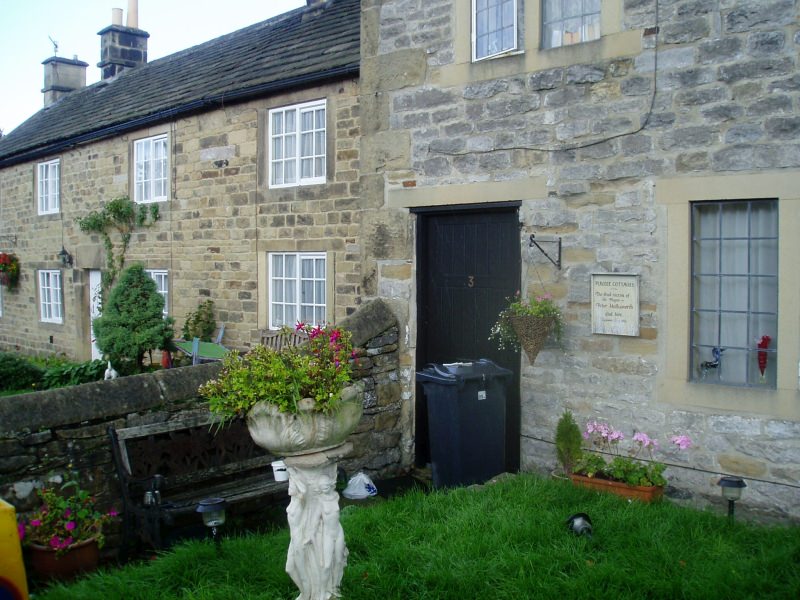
[
  {"x": 48, "y": 183},
  {"x": 297, "y": 144},
  {"x": 734, "y": 313},
  {"x": 494, "y": 27},
  {"x": 162, "y": 284},
  {"x": 566, "y": 22},
  {"x": 297, "y": 283},
  {"x": 50, "y": 306},
  {"x": 150, "y": 181}
]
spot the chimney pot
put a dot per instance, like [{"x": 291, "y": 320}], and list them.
[
  {"x": 133, "y": 14},
  {"x": 116, "y": 16}
]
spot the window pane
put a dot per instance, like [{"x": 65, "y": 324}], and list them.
[
  {"x": 734, "y": 293},
  {"x": 764, "y": 256},
  {"x": 734, "y": 220},
  {"x": 291, "y": 117},
  {"x": 291, "y": 265},
  {"x": 733, "y": 330},
  {"x": 706, "y": 292},
  {"x": 277, "y": 123},
  {"x": 706, "y": 257},
  {"x": 319, "y": 115},
  {"x": 706, "y": 328},
  {"x": 307, "y": 121},
  {"x": 763, "y": 220},
  {"x": 306, "y": 168},
  {"x": 764, "y": 294},
  {"x": 734, "y": 257},
  {"x": 307, "y": 144}
]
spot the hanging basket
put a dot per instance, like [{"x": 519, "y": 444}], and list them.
[{"x": 532, "y": 333}]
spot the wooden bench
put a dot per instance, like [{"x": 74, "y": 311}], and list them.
[
  {"x": 165, "y": 469},
  {"x": 278, "y": 339}
]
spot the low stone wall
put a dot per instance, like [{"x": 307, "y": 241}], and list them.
[{"x": 44, "y": 433}]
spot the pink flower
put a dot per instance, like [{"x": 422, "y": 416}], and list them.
[
  {"x": 35, "y": 522},
  {"x": 113, "y": 512},
  {"x": 70, "y": 525},
  {"x": 615, "y": 436},
  {"x": 55, "y": 542},
  {"x": 21, "y": 531},
  {"x": 67, "y": 513},
  {"x": 681, "y": 441},
  {"x": 300, "y": 326}
]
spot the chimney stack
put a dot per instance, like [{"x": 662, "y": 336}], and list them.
[
  {"x": 122, "y": 47},
  {"x": 62, "y": 76}
]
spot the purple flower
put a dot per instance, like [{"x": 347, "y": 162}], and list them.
[
  {"x": 645, "y": 440},
  {"x": 36, "y": 522},
  {"x": 113, "y": 512},
  {"x": 70, "y": 525},
  {"x": 681, "y": 441},
  {"x": 55, "y": 542},
  {"x": 21, "y": 531}
]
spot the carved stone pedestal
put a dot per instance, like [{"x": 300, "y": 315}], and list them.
[{"x": 317, "y": 552}]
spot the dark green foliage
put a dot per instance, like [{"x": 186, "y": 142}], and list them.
[
  {"x": 132, "y": 322},
  {"x": 123, "y": 216},
  {"x": 17, "y": 373},
  {"x": 568, "y": 442},
  {"x": 67, "y": 373},
  {"x": 504, "y": 541},
  {"x": 200, "y": 323}
]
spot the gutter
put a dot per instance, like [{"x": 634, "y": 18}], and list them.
[{"x": 199, "y": 105}]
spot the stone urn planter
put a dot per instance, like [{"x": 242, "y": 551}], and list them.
[
  {"x": 285, "y": 434},
  {"x": 643, "y": 493}
]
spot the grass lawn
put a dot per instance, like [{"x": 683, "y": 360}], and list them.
[{"x": 503, "y": 541}]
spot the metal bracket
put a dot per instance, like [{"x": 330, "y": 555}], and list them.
[{"x": 557, "y": 261}]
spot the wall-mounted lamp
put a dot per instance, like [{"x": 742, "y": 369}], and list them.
[
  {"x": 66, "y": 257},
  {"x": 731, "y": 490},
  {"x": 221, "y": 163}
]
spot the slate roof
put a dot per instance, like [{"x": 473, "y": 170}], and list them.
[{"x": 299, "y": 48}]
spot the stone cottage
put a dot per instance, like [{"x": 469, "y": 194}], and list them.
[
  {"x": 249, "y": 146},
  {"x": 637, "y": 159}
]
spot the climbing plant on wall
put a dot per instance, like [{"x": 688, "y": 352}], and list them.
[{"x": 120, "y": 216}]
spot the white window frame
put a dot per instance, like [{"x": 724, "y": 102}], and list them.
[
  {"x": 286, "y": 148},
  {"x": 161, "y": 278},
  {"x": 48, "y": 185},
  {"x": 51, "y": 306},
  {"x": 280, "y": 283},
  {"x": 475, "y": 33},
  {"x": 588, "y": 31},
  {"x": 151, "y": 169}
]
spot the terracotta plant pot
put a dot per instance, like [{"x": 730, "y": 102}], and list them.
[
  {"x": 285, "y": 434},
  {"x": 82, "y": 557},
  {"x": 637, "y": 492}
]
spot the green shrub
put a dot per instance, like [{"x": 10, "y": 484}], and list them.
[
  {"x": 67, "y": 373},
  {"x": 132, "y": 322},
  {"x": 568, "y": 442},
  {"x": 17, "y": 373},
  {"x": 200, "y": 323}
]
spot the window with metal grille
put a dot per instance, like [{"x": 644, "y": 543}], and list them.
[
  {"x": 566, "y": 22},
  {"x": 494, "y": 27},
  {"x": 297, "y": 288},
  {"x": 734, "y": 312}
]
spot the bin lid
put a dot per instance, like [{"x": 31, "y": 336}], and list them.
[{"x": 457, "y": 373}]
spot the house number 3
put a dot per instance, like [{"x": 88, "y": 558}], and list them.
[{"x": 470, "y": 281}]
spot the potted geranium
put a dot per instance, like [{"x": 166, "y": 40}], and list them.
[
  {"x": 65, "y": 533},
  {"x": 295, "y": 400},
  {"x": 634, "y": 474},
  {"x": 527, "y": 323},
  {"x": 9, "y": 270}
]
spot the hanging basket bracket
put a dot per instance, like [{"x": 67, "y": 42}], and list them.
[{"x": 557, "y": 261}]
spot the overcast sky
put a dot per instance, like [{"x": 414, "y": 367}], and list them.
[{"x": 172, "y": 24}]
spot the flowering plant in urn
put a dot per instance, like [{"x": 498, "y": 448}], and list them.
[
  {"x": 635, "y": 467},
  {"x": 294, "y": 399}
]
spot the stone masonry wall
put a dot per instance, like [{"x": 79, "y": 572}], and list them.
[
  {"x": 707, "y": 89},
  {"x": 213, "y": 232},
  {"x": 43, "y": 433}
]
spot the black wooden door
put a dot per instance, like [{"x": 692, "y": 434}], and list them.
[{"x": 469, "y": 263}]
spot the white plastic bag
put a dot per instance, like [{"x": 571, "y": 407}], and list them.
[{"x": 359, "y": 487}]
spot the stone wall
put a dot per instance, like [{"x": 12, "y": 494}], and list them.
[
  {"x": 214, "y": 231},
  {"x": 45, "y": 433},
  {"x": 586, "y": 138}
]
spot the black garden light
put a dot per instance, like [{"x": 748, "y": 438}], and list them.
[
  {"x": 213, "y": 512},
  {"x": 731, "y": 490}
]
